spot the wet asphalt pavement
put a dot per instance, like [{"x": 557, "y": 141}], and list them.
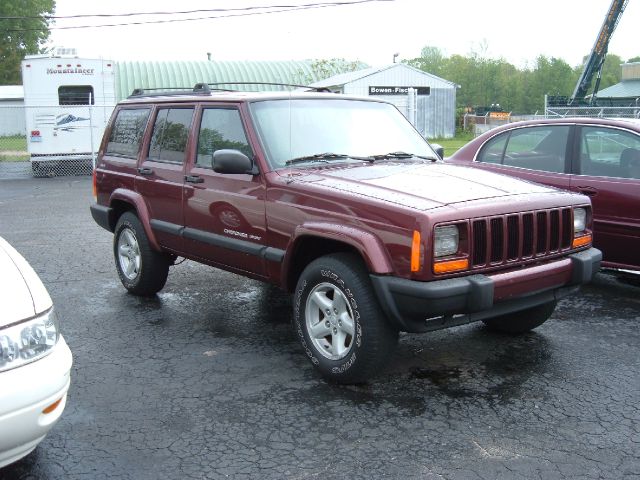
[{"x": 208, "y": 380}]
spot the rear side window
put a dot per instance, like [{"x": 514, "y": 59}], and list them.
[
  {"x": 221, "y": 128},
  {"x": 170, "y": 135},
  {"x": 127, "y": 131},
  {"x": 76, "y": 95},
  {"x": 535, "y": 148}
]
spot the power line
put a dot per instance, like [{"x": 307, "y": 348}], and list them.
[
  {"x": 174, "y": 20},
  {"x": 187, "y": 12}
]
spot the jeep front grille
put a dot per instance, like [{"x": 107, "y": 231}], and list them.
[{"x": 510, "y": 238}]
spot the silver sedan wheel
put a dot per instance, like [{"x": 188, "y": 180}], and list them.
[
  {"x": 129, "y": 254},
  {"x": 329, "y": 321}
]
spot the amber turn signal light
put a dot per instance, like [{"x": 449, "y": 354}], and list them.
[
  {"x": 581, "y": 241},
  {"x": 415, "y": 252},
  {"x": 451, "y": 266},
  {"x": 52, "y": 407}
]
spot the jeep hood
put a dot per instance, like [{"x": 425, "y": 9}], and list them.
[{"x": 420, "y": 186}]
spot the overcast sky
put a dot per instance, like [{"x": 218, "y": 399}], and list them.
[{"x": 371, "y": 32}]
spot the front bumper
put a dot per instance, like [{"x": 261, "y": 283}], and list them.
[
  {"x": 26, "y": 391},
  {"x": 414, "y": 306}
]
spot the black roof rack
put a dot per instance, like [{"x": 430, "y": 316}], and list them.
[
  {"x": 198, "y": 89},
  {"x": 309, "y": 88}
]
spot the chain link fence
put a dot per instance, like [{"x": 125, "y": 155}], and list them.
[
  {"x": 555, "y": 111},
  {"x": 48, "y": 141},
  {"x": 480, "y": 124}
]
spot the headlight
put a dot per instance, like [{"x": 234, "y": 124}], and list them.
[
  {"x": 28, "y": 341},
  {"x": 579, "y": 220},
  {"x": 445, "y": 241}
]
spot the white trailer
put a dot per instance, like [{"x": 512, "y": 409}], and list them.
[{"x": 68, "y": 101}]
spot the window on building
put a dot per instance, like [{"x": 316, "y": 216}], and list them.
[{"x": 76, "y": 95}]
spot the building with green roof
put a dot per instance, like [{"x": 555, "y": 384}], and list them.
[
  {"x": 627, "y": 92},
  {"x": 130, "y": 75}
]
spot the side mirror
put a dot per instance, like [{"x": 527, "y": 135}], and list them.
[
  {"x": 232, "y": 162},
  {"x": 439, "y": 149}
]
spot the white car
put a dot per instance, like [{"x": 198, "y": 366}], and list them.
[{"x": 35, "y": 361}]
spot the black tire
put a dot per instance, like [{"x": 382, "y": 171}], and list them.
[
  {"x": 357, "y": 325},
  {"x": 142, "y": 271},
  {"x": 523, "y": 321}
]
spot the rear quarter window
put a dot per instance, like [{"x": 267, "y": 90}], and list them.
[{"x": 126, "y": 134}]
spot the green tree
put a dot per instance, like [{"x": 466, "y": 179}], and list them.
[
  {"x": 431, "y": 60},
  {"x": 550, "y": 76},
  {"x": 24, "y": 27},
  {"x": 611, "y": 71},
  {"x": 633, "y": 60},
  {"x": 485, "y": 81},
  {"x": 325, "y": 68}
]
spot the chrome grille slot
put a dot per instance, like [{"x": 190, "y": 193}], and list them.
[
  {"x": 541, "y": 234},
  {"x": 479, "y": 242},
  {"x": 513, "y": 237},
  {"x": 527, "y": 233},
  {"x": 497, "y": 239},
  {"x": 567, "y": 228},
  {"x": 554, "y": 235}
]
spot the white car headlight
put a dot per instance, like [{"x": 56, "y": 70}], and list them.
[
  {"x": 28, "y": 341},
  {"x": 579, "y": 220},
  {"x": 445, "y": 241}
]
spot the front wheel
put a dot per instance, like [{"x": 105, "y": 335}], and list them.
[
  {"x": 142, "y": 271},
  {"x": 339, "y": 322},
  {"x": 523, "y": 321}
]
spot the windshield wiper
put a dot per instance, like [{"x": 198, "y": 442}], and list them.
[
  {"x": 325, "y": 157},
  {"x": 318, "y": 157},
  {"x": 390, "y": 155}
]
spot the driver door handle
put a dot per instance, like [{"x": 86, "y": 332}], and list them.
[{"x": 145, "y": 171}]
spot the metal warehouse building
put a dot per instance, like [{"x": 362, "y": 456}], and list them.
[
  {"x": 428, "y": 101},
  {"x": 140, "y": 74},
  {"x": 12, "y": 118},
  {"x": 627, "y": 92}
]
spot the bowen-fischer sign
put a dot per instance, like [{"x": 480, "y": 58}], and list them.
[{"x": 375, "y": 90}]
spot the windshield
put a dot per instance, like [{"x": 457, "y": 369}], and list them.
[{"x": 301, "y": 128}]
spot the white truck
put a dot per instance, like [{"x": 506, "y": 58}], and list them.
[{"x": 68, "y": 101}]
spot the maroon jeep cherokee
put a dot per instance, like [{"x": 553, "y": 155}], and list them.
[{"x": 340, "y": 201}]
